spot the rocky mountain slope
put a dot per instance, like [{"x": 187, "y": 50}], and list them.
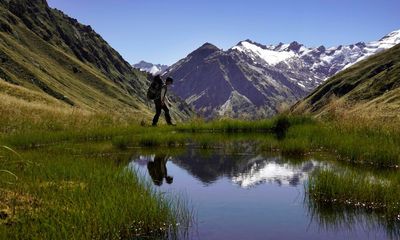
[
  {"x": 253, "y": 80},
  {"x": 47, "y": 52},
  {"x": 370, "y": 88},
  {"x": 151, "y": 68}
]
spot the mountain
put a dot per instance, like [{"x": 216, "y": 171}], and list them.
[
  {"x": 251, "y": 80},
  {"x": 370, "y": 88},
  {"x": 151, "y": 68},
  {"x": 45, "y": 53}
]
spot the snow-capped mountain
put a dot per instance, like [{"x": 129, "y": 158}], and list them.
[
  {"x": 254, "y": 80},
  {"x": 150, "y": 67}
]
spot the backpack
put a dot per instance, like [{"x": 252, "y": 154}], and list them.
[{"x": 154, "y": 90}]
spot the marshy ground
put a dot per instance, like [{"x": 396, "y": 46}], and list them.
[{"x": 67, "y": 182}]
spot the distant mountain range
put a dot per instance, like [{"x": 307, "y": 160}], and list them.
[
  {"x": 151, "y": 68},
  {"x": 251, "y": 80},
  {"x": 368, "y": 89}
]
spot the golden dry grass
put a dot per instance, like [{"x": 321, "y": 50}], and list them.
[
  {"x": 26, "y": 109},
  {"x": 369, "y": 90},
  {"x": 13, "y": 203}
]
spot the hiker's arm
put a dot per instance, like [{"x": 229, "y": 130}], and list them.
[
  {"x": 166, "y": 101},
  {"x": 163, "y": 95}
]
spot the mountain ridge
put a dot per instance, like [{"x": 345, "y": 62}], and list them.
[
  {"x": 270, "y": 76},
  {"x": 151, "y": 68},
  {"x": 370, "y": 89}
]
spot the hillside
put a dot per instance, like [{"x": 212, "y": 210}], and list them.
[
  {"x": 370, "y": 89},
  {"x": 52, "y": 55},
  {"x": 252, "y": 80}
]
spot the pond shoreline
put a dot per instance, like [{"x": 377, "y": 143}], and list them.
[{"x": 64, "y": 156}]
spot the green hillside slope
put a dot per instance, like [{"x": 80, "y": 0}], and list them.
[
  {"x": 47, "y": 52},
  {"x": 369, "y": 89}
]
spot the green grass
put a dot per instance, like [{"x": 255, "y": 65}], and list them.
[
  {"x": 36, "y": 138},
  {"x": 64, "y": 193},
  {"x": 352, "y": 142},
  {"x": 73, "y": 180},
  {"x": 372, "y": 147},
  {"x": 294, "y": 147},
  {"x": 202, "y": 140},
  {"x": 357, "y": 189},
  {"x": 355, "y": 142},
  {"x": 241, "y": 126}
]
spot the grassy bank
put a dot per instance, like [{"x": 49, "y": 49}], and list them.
[
  {"x": 357, "y": 142},
  {"x": 71, "y": 171},
  {"x": 359, "y": 190},
  {"x": 272, "y": 125},
  {"x": 351, "y": 142},
  {"x": 81, "y": 193}
]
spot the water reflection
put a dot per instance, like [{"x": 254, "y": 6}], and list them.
[
  {"x": 255, "y": 196},
  {"x": 274, "y": 170},
  {"x": 158, "y": 169},
  {"x": 334, "y": 218},
  {"x": 243, "y": 170}
]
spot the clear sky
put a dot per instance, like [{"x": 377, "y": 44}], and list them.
[{"x": 164, "y": 31}]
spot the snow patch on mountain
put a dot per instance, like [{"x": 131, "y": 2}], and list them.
[
  {"x": 251, "y": 80},
  {"x": 374, "y": 47},
  {"x": 331, "y": 60},
  {"x": 269, "y": 56},
  {"x": 151, "y": 68}
]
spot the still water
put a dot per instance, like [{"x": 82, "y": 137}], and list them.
[{"x": 252, "y": 196}]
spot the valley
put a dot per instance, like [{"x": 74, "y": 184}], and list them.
[{"x": 274, "y": 141}]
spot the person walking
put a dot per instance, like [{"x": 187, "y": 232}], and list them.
[{"x": 161, "y": 100}]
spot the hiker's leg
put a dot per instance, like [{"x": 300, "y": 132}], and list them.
[
  {"x": 157, "y": 102},
  {"x": 166, "y": 112}
]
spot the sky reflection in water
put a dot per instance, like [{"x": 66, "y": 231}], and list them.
[{"x": 252, "y": 196}]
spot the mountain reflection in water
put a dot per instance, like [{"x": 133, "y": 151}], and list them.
[
  {"x": 244, "y": 170},
  {"x": 273, "y": 170},
  {"x": 241, "y": 195}
]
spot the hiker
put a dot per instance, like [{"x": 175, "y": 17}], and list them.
[
  {"x": 158, "y": 170},
  {"x": 157, "y": 92}
]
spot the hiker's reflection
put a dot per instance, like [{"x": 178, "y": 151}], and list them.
[{"x": 158, "y": 170}]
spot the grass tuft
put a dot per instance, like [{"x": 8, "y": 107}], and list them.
[
  {"x": 357, "y": 190},
  {"x": 86, "y": 196}
]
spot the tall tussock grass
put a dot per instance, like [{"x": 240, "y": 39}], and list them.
[
  {"x": 69, "y": 196},
  {"x": 358, "y": 190},
  {"x": 243, "y": 126},
  {"x": 9, "y": 159},
  {"x": 352, "y": 142},
  {"x": 19, "y": 116}
]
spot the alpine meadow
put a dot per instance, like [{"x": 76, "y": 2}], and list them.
[{"x": 251, "y": 141}]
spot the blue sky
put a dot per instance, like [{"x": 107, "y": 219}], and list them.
[{"x": 164, "y": 31}]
